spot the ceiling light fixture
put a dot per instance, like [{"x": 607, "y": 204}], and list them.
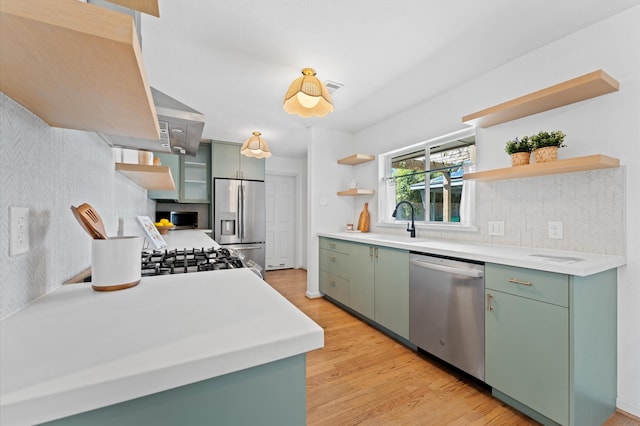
[
  {"x": 308, "y": 96},
  {"x": 256, "y": 147}
]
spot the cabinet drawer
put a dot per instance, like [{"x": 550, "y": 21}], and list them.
[
  {"x": 334, "y": 287},
  {"x": 334, "y": 263},
  {"x": 547, "y": 287},
  {"x": 335, "y": 245}
]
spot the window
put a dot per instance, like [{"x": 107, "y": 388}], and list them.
[{"x": 429, "y": 177}]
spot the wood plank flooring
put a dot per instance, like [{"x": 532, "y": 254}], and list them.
[{"x": 363, "y": 377}]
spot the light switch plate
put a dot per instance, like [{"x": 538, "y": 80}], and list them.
[
  {"x": 18, "y": 230},
  {"x": 496, "y": 228}
]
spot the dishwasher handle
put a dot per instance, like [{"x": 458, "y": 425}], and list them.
[{"x": 473, "y": 273}]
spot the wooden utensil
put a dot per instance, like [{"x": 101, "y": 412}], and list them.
[{"x": 90, "y": 221}]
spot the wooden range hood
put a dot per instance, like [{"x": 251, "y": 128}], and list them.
[{"x": 76, "y": 65}]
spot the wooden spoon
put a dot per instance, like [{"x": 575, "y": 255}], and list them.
[{"x": 90, "y": 221}]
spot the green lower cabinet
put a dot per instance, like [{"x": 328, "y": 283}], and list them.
[
  {"x": 527, "y": 353},
  {"x": 268, "y": 394},
  {"x": 371, "y": 280},
  {"x": 362, "y": 275},
  {"x": 550, "y": 343},
  {"x": 379, "y": 286},
  {"x": 392, "y": 290},
  {"x": 334, "y": 270}
]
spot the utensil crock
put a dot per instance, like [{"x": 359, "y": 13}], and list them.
[{"x": 115, "y": 263}]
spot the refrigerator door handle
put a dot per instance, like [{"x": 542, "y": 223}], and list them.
[{"x": 241, "y": 213}]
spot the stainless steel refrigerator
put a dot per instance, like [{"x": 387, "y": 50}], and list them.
[{"x": 239, "y": 216}]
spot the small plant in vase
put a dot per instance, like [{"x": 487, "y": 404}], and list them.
[
  {"x": 546, "y": 144},
  {"x": 519, "y": 150}
]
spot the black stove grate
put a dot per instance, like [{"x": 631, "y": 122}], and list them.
[{"x": 163, "y": 262}]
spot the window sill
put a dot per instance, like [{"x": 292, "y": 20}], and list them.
[{"x": 455, "y": 227}]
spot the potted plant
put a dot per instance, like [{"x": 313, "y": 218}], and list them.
[
  {"x": 519, "y": 150},
  {"x": 545, "y": 145}
]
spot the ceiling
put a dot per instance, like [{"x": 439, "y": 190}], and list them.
[{"x": 234, "y": 60}]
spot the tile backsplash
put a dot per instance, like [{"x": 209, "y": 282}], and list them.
[
  {"x": 590, "y": 205},
  {"x": 47, "y": 170}
]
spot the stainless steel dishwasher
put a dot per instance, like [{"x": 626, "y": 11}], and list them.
[{"x": 446, "y": 310}]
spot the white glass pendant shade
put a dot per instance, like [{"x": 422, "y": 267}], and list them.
[
  {"x": 308, "y": 96},
  {"x": 256, "y": 147}
]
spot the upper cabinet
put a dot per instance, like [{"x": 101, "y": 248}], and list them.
[
  {"x": 193, "y": 177},
  {"x": 587, "y": 86},
  {"x": 76, "y": 65},
  {"x": 227, "y": 162}
]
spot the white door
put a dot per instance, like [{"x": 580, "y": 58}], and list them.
[{"x": 280, "y": 192}]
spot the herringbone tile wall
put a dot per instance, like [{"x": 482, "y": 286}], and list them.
[{"x": 48, "y": 170}]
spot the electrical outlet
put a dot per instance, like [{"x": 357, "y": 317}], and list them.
[
  {"x": 496, "y": 228},
  {"x": 555, "y": 230},
  {"x": 18, "y": 230}
]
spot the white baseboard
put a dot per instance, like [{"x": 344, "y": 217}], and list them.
[{"x": 628, "y": 407}]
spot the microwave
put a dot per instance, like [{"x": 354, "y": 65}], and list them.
[{"x": 182, "y": 220}]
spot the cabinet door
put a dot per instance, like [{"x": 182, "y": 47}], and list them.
[
  {"x": 225, "y": 160},
  {"x": 252, "y": 168},
  {"x": 361, "y": 280},
  {"x": 196, "y": 176},
  {"x": 392, "y": 289},
  {"x": 527, "y": 352},
  {"x": 173, "y": 161}
]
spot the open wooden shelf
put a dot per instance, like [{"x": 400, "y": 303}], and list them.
[
  {"x": 76, "y": 65},
  {"x": 149, "y": 177},
  {"x": 355, "y": 191},
  {"x": 577, "y": 164},
  {"x": 150, "y": 7},
  {"x": 354, "y": 159},
  {"x": 587, "y": 86}
]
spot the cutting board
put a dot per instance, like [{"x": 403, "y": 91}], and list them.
[{"x": 363, "y": 221}]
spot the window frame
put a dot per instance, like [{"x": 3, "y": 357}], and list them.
[{"x": 386, "y": 201}]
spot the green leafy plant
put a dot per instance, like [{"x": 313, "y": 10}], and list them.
[
  {"x": 518, "y": 145},
  {"x": 543, "y": 139}
]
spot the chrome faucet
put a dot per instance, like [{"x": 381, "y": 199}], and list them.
[{"x": 411, "y": 230}]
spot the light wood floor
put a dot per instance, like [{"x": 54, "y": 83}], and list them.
[{"x": 363, "y": 377}]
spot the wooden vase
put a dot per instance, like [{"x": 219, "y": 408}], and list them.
[
  {"x": 520, "y": 158},
  {"x": 545, "y": 154}
]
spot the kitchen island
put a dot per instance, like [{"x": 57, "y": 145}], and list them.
[{"x": 176, "y": 349}]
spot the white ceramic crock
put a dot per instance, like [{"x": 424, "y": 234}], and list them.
[{"x": 115, "y": 263}]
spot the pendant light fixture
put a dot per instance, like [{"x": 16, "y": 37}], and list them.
[
  {"x": 307, "y": 96},
  {"x": 256, "y": 147}
]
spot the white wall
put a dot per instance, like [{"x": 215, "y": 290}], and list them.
[
  {"x": 48, "y": 170},
  {"x": 327, "y": 210},
  {"x": 606, "y": 125},
  {"x": 297, "y": 167}
]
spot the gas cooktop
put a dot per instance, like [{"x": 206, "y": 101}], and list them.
[{"x": 163, "y": 262}]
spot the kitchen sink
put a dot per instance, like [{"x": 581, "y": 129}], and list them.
[
  {"x": 556, "y": 259},
  {"x": 391, "y": 238}
]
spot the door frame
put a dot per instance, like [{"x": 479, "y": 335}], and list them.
[{"x": 299, "y": 239}]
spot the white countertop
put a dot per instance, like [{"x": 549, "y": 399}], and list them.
[
  {"x": 76, "y": 349},
  {"x": 564, "y": 262}
]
